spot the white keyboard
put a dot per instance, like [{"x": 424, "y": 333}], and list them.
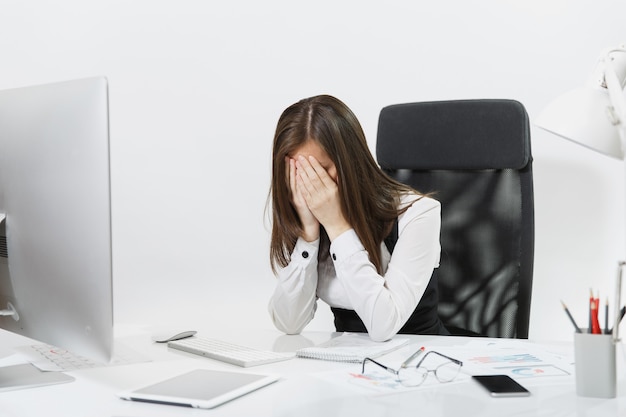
[
  {"x": 51, "y": 358},
  {"x": 229, "y": 352}
]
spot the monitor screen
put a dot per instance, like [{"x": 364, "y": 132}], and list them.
[{"x": 55, "y": 206}]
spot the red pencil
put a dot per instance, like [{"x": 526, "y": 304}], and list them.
[{"x": 595, "y": 323}]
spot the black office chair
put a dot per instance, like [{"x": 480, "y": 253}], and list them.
[{"x": 474, "y": 157}]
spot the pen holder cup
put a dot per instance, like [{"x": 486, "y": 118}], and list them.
[{"x": 594, "y": 355}]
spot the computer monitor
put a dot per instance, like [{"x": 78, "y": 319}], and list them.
[{"x": 55, "y": 206}]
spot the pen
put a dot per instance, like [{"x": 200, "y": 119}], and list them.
[
  {"x": 590, "y": 327},
  {"x": 618, "y": 301},
  {"x": 413, "y": 356},
  {"x": 620, "y": 317},
  {"x": 570, "y": 317},
  {"x": 606, "y": 316}
]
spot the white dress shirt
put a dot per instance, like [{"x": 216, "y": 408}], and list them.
[{"x": 347, "y": 279}]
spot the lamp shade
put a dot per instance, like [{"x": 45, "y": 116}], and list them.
[
  {"x": 585, "y": 116},
  {"x": 594, "y": 115}
]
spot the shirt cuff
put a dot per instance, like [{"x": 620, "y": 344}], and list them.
[
  {"x": 304, "y": 252},
  {"x": 345, "y": 245}
]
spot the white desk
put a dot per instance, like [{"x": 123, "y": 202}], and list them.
[{"x": 301, "y": 392}]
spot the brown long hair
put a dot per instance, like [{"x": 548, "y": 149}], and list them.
[{"x": 369, "y": 198}]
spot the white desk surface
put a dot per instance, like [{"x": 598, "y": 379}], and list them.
[{"x": 300, "y": 392}]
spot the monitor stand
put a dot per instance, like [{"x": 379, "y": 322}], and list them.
[{"x": 28, "y": 376}]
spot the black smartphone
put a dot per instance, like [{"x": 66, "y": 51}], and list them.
[{"x": 501, "y": 386}]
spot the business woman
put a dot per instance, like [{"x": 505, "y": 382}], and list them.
[{"x": 346, "y": 233}]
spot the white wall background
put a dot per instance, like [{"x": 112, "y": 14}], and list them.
[{"x": 196, "y": 88}]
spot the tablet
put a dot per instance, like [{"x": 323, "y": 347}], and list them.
[{"x": 200, "y": 388}]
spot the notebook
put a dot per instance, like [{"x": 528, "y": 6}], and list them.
[
  {"x": 201, "y": 388},
  {"x": 350, "y": 347}
]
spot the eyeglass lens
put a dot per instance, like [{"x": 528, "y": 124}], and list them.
[{"x": 445, "y": 372}]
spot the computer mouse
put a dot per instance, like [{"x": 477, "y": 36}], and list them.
[{"x": 168, "y": 336}]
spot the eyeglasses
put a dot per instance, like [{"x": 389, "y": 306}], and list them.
[{"x": 446, "y": 369}]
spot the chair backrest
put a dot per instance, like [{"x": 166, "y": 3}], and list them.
[{"x": 474, "y": 157}]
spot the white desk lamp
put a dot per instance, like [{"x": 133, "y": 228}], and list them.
[{"x": 595, "y": 117}]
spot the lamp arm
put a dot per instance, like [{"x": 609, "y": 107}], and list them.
[{"x": 614, "y": 80}]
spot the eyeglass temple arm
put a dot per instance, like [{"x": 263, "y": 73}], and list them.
[
  {"x": 458, "y": 362},
  {"x": 386, "y": 368}
]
